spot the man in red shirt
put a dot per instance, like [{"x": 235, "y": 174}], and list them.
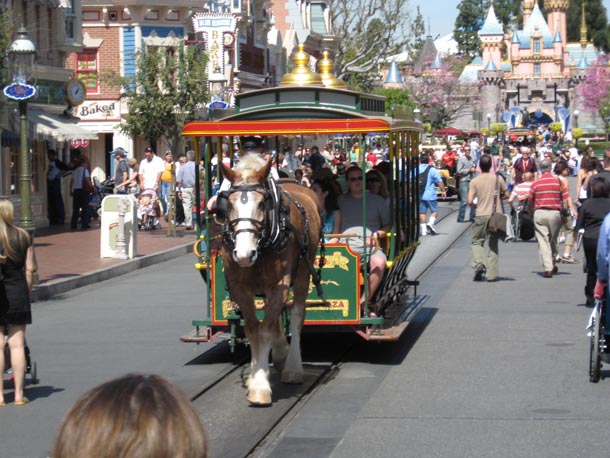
[
  {"x": 547, "y": 197},
  {"x": 449, "y": 161}
]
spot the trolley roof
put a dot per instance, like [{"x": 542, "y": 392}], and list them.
[{"x": 286, "y": 127}]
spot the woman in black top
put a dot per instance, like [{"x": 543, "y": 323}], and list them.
[
  {"x": 591, "y": 215},
  {"x": 17, "y": 267}
]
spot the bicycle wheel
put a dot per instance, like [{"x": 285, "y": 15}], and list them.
[{"x": 595, "y": 364}]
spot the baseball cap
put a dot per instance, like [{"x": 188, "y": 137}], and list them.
[
  {"x": 119, "y": 152},
  {"x": 148, "y": 149}
]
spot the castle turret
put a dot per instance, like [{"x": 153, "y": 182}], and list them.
[
  {"x": 492, "y": 38},
  {"x": 557, "y": 17}
]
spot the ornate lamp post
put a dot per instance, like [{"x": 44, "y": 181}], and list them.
[
  {"x": 576, "y": 113},
  {"x": 22, "y": 54}
]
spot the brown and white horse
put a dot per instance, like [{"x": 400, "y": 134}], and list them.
[{"x": 259, "y": 261}]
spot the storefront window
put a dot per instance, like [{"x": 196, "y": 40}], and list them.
[{"x": 12, "y": 186}]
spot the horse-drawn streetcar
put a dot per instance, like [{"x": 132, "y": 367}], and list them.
[{"x": 262, "y": 254}]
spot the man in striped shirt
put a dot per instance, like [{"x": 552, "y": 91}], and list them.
[{"x": 546, "y": 199}]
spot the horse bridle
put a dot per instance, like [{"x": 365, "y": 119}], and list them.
[{"x": 258, "y": 228}]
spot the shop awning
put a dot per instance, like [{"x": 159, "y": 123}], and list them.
[
  {"x": 9, "y": 138},
  {"x": 48, "y": 125}
]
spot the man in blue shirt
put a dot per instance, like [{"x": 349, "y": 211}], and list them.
[{"x": 428, "y": 199}]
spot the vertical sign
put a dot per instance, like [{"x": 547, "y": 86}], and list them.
[{"x": 219, "y": 29}]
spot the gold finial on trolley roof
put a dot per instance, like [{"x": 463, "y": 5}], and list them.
[
  {"x": 301, "y": 75},
  {"x": 325, "y": 69}
]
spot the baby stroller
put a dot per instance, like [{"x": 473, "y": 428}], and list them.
[
  {"x": 149, "y": 210},
  {"x": 30, "y": 366},
  {"x": 102, "y": 189}
]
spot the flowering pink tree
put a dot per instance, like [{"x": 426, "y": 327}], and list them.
[
  {"x": 594, "y": 90},
  {"x": 441, "y": 96}
]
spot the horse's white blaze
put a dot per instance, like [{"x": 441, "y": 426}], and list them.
[{"x": 245, "y": 251}]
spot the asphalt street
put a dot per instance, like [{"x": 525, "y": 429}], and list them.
[{"x": 484, "y": 370}]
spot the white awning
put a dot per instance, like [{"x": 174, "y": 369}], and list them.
[{"x": 48, "y": 125}]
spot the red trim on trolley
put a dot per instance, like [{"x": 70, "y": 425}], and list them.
[{"x": 285, "y": 127}]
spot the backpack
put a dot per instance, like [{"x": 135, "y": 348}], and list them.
[{"x": 423, "y": 180}]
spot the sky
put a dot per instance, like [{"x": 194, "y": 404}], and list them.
[{"x": 441, "y": 14}]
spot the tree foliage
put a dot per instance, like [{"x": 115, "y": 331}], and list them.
[
  {"x": 469, "y": 21},
  {"x": 6, "y": 29},
  {"x": 168, "y": 88},
  {"x": 597, "y": 23},
  {"x": 418, "y": 36},
  {"x": 394, "y": 97},
  {"x": 367, "y": 32},
  {"x": 441, "y": 97},
  {"x": 594, "y": 90}
]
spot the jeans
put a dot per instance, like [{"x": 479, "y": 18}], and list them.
[
  {"x": 464, "y": 185},
  {"x": 165, "y": 190}
]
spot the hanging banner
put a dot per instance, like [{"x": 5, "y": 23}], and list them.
[
  {"x": 219, "y": 30},
  {"x": 564, "y": 118}
]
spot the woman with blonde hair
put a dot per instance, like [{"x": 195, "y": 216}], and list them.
[
  {"x": 17, "y": 267},
  {"x": 134, "y": 416},
  {"x": 377, "y": 184}
]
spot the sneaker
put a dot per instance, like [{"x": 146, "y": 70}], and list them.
[
  {"x": 432, "y": 229},
  {"x": 479, "y": 272},
  {"x": 568, "y": 260}
]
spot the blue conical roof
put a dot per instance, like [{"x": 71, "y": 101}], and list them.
[
  {"x": 492, "y": 26},
  {"x": 583, "y": 64},
  {"x": 437, "y": 64},
  {"x": 394, "y": 75},
  {"x": 557, "y": 38},
  {"x": 491, "y": 66}
]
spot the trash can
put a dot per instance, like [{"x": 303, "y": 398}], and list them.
[{"x": 110, "y": 230}]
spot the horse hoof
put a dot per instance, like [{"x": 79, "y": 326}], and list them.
[
  {"x": 259, "y": 399},
  {"x": 292, "y": 377}
]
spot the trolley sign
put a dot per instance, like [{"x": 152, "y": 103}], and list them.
[{"x": 79, "y": 142}]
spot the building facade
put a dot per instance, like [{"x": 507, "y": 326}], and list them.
[{"x": 54, "y": 26}]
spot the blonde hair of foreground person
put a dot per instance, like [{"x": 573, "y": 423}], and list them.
[{"x": 134, "y": 416}]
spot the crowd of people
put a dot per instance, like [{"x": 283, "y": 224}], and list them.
[{"x": 533, "y": 181}]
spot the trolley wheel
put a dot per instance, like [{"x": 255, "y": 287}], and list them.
[
  {"x": 595, "y": 364},
  {"x": 33, "y": 374}
]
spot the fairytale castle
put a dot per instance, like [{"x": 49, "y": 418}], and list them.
[{"x": 529, "y": 76}]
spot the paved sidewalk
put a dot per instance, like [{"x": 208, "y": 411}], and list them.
[{"x": 69, "y": 259}]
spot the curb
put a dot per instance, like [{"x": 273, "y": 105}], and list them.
[{"x": 54, "y": 288}]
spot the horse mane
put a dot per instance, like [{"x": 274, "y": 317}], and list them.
[{"x": 248, "y": 167}]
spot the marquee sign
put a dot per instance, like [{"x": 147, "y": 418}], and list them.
[{"x": 219, "y": 29}]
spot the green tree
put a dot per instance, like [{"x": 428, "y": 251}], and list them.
[
  {"x": 470, "y": 19},
  {"x": 367, "y": 33},
  {"x": 394, "y": 97},
  {"x": 596, "y": 18},
  {"x": 168, "y": 88},
  {"x": 6, "y": 29},
  {"x": 418, "y": 36}
]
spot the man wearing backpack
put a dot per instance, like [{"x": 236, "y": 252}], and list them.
[{"x": 429, "y": 178}]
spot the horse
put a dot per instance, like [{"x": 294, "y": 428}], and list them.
[{"x": 270, "y": 239}]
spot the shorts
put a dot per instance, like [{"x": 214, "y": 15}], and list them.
[{"x": 425, "y": 205}]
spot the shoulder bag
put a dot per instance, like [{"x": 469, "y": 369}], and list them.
[{"x": 499, "y": 223}]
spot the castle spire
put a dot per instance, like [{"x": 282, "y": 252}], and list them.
[{"x": 583, "y": 26}]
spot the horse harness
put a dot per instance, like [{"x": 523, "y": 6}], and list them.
[{"x": 274, "y": 230}]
